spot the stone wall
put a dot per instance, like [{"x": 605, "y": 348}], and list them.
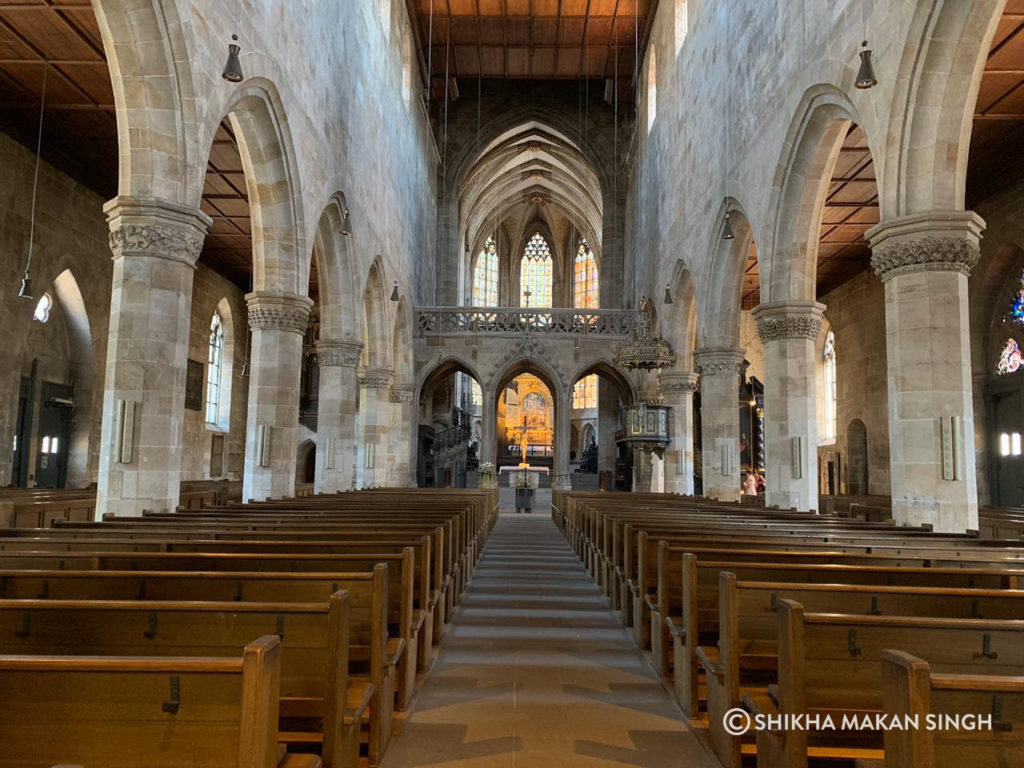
[
  {"x": 71, "y": 234},
  {"x": 209, "y": 290},
  {"x": 856, "y": 315}
]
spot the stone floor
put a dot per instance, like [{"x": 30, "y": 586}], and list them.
[{"x": 537, "y": 671}]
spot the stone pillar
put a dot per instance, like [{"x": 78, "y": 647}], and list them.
[
  {"x": 677, "y": 388},
  {"x": 401, "y": 466},
  {"x": 336, "y": 422},
  {"x": 488, "y": 438},
  {"x": 563, "y": 440},
  {"x": 789, "y": 331},
  {"x": 720, "y": 369},
  {"x": 155, "y": 245},
  {"x": 278, "y": 323},
  {"x": 924, "y": 261},
  {"x": 607, "y": 423},
  {"x": 374, "y": 423}
]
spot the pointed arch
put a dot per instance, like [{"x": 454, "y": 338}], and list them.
[
  {"x": 802, "y": 180},
  {"x": 681, "y": 323},
  {"x": 377, "y": 328},
  {"x": 723, "y": 281},
  {"x": 280, "y": 256},
  {"x": 334, "y": 256}
]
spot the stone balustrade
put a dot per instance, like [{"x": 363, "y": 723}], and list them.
[{"x": 512, "y": 321}]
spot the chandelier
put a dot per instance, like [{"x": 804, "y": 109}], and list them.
[{"x": 645, "y": 350}]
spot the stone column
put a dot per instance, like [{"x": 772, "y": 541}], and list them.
[
  {"x": 488, "y": 438},
  {"x": 607, "y": 423},
  {"x": 374, "y": 423},
  {"x": 924, "y": 261},
  {"x": 336, "y": 422},
  {"x": 563, "y": 440},
  {"x": 155, "y": 245},
  {"x": 278, "y": 322},
  {"x": 677, "y": 388},
  {"x": 789, "y": 330},
  {"x": 720, "y": 369},
  {"x": 401, "y": 466}
]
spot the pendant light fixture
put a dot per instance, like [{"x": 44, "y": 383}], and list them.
[
  {"x": 866, "y": 74},
  {"x": 346, "y": 224},
  {"x": 25, "y": 292},
  {"x": 668, "y": 294},
  {"x": 727, "y": 233},
  {"x": 394, "y": 291},
  {"x": 233, "y": 69}
]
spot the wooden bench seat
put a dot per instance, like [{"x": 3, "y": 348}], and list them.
[
  {"x": 124, "y": 712},
  {"x": 325, "y": 645},
  {"x": 911, "y": 689}
]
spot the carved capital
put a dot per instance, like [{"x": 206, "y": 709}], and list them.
[
  {"x": 678, "y": 383},
  {"x": 789, "y": 320},
  {"x": 715, "y": 361},
  {"x": 155, "y": 229},
  {"x": 946, "y": 241},
  {"x": 376, "y": 378},
  {"x": 402, "y": 394},
  {"x": 278, "y": 311},
  {"x": 338, "y": 353}
]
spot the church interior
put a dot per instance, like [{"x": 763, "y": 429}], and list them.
[{"x": 485, "y": 383}]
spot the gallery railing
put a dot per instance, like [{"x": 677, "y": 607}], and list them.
[{"x": 513, "y": 321}]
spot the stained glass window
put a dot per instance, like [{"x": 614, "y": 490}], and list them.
[
  {"x": 585, "y": 280},
  {"x": 1010, "y": 361},
  {"x": 584, "y": 393},
  {"x": 215, "y": 360},
  {"x": 535, "y": 273},
  {"x": 830, "y": 387},
  {"x": 485, "y": 276},
  {"x": 1017, "y": 306}
]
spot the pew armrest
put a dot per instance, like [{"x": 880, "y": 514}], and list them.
[
  {"x": 760, "y": 703},
  {"x": 651, "y": 601},
  {"x": 675, "y": 626},
  {"x": 633, "y": 587},
  {"x": 396, "y": 647},
  {"x": 708, "y": 657},
  {"x": 360, "y": 692}
]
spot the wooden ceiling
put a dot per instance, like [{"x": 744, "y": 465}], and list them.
[
  {"x": 80, "y": 128},
  {"x": 538, "y": 39},
  {"x": 851, "y": 208},
  {"x": 80, "y": 125},
  {"x": 997, "y": 139}
]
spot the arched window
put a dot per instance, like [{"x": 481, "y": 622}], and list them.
[
  {"x": 535, "y": 273},
  {"x": 652, "y": 87},
  {"x": 485, "y": 276},
  {"x": 585, "y": 281},
  {"x": 584, "y": 393},
  {"x": 43, "y": 307},
  {"x": 830, "y": 387},
  {"x": 216, "y": 364},
  {"x": 681, "y": 25}
]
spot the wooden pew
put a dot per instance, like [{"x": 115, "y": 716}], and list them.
[
  {"x": 911, "y": 690},
  {"x": 335, "y": 654},
  {"x": 832, "y": 664},
  {"x": 123, "y": 712},
  {"x": 690, "y": 601}
]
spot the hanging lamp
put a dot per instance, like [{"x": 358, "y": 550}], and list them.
[
  {"x": 866, "y": 74},
  {"x": 233, "y": 68},
  {"x": 25, "y": 292},
  {"x": 394, "y": 291},
  {"x": 668, "y": 294},
  {"x": 346, "y": 224},
  {"x": 727, "y": 233}
]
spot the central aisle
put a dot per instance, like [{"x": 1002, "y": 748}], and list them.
[{"x": 537, "y": 671}]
